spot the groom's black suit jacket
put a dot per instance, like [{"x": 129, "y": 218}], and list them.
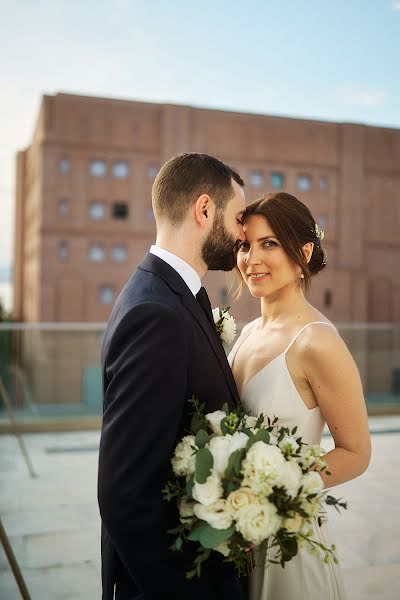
[{"x": 159, "y": 349}]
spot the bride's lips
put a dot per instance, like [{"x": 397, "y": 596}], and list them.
[{"x": 259, "y": 276}]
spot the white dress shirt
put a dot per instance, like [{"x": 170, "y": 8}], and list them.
[{"x": 188, "y": 274}]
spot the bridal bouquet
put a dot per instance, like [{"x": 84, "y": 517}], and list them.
[{"x": 241, "y": 481}]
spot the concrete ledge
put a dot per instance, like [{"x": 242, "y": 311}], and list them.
[{"x": 82, "y": 423}]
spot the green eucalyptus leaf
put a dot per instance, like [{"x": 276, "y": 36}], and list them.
[
  {"x": 211, "y": 538},
  {"x": 262, "y": 435},
  {"x": 204, "y": 464},
  {"x": 202, "y": 438},
  {"x": 194, "y": 535}
]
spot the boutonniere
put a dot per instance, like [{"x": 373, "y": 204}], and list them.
[{"x": 225, "y": 324}]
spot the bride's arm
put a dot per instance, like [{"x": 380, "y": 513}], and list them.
[{"x": 335, "y": 381}]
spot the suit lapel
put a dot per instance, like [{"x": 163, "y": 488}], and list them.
[
  {"x": 174, "y": 280},
  {"x": 198, "y": 313}
]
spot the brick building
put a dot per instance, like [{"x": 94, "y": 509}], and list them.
[{"x": 84, "y": 218}]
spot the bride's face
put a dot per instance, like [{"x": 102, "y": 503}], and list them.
[{"x": 263, "y": 263}]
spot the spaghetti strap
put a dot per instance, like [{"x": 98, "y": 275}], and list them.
[{"x": 305, "y": 327}]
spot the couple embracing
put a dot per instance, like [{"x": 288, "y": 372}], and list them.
[{"x": 161, "y": 348}]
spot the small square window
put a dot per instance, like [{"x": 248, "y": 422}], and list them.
[
  {"x": 323, "y": 183},
  {"x": 106, "y": 294},
  {"x": 152, "y": 172},
  {"x": 96, "y": 253},
  {"x": 277, "y": 180},
  {"x": 119, "y": 253},
  {"x": 120, "y": 210},
  {"x": 256, "y": 179},
  {"x": 322, "y": 221},
  {"x": 65, "y": 166},
  {"x": 97, "y": 210},
  {"x": 63, "y": 207},
  {"x": 150, "y": 214},
  {"x": 97, "y": 168},
  {"x": 304, "y": 183},
  {"x": 120, "y": 169},
  {"x": 63, "y": 251}
]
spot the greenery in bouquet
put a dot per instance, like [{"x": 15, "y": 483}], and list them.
[{"x": 241, "y": 481}]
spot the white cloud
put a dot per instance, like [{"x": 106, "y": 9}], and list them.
[
  {"x": 356, "y": 96},
  {"x": 396, "y": 6}
]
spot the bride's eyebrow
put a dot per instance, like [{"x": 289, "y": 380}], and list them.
[{"x": 267, "y": 237}]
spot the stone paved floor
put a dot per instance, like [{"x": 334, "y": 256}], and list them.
[{"x": 53, "y": 523}]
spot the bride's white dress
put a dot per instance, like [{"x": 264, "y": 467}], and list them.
[{"x": 272, "y": 392}]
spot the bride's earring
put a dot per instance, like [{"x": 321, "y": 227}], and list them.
[{"x": 302, "y": 276}]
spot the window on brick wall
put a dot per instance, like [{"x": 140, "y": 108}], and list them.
[
  {"x": 97, "y": 168},
  {"x": 277, "y": 180},
  {"x": 304, "y": 182},
  {"x": 120, "y": 210},
  {"x": 63, "y": 207},
  {"x": 106, "y": 294},
  {"x": 120, "y": 169}
]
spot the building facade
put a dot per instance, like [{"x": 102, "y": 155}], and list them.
[{"x": 83, "y": 205}]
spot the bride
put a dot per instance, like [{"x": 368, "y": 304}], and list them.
[{"x": 291, "y": 363}]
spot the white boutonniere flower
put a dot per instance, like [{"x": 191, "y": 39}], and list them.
[{"x": 225, "y": 324}]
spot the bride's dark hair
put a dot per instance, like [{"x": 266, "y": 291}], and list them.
[{"x": 294, "y": 226}]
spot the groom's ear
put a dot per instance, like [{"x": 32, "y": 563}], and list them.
[{"x": 204, "y": 210}]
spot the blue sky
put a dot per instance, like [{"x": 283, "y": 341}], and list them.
[{"x": 333, "y": 60}]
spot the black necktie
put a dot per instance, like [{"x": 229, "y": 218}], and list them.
[{"x": 204, "y": 302}]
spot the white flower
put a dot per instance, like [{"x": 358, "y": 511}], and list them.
[
  {"x": 312, "y": 483},
  {"x": 239, "y": 441},
  {"x": 290, "y": 477},
  {"x": 312, "y": 455},
  {"x": 217, "y": 514},
  {"x": 288, "y": 444},
  {"x": 186, "y": 508},
  {"x": 293, "y": 524},
  {"x": 258, "y": 521},
  {"x": 225, "y": 324},
  {"x": 215, "y": 419},
  {"x": 224, "y": 548},
  {"x": 250, "y": 421},
  {"x": 241, "y": 499},
  {"x": 261, "y": 467},
  {"x": 220, "y": 448},
  {"x": 209, "y": 492},
  {"x": 184, "y": 459}
]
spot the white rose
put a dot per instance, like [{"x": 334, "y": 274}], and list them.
[
  {"x": 215, "y": 419},
  {"x": 224, "y": 548},
  {"x": 261, "y": 467},
  {"x": 209, "y": 492},
  {"x": 220, "y": 448},
  {"x": 217, "y": 514},
  {"x": 184, "y": 459},
  {"x": 288, "y": 444},
  {"x": 241, "y": 499},
  {"x": 228, "y": 332},
  {"x": 258, "y": 521},
  {"x": 186, "y": 509},
  {"x": 290, "y": 477},
  {"x": 293, "y": 524}
]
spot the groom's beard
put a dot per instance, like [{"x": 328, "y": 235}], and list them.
[{"x": 218, "y": 248}]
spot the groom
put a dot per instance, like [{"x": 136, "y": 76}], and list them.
[{"x": 160, "y": 348}]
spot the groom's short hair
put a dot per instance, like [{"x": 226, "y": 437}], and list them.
[{"x": 187, "y": 176}]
